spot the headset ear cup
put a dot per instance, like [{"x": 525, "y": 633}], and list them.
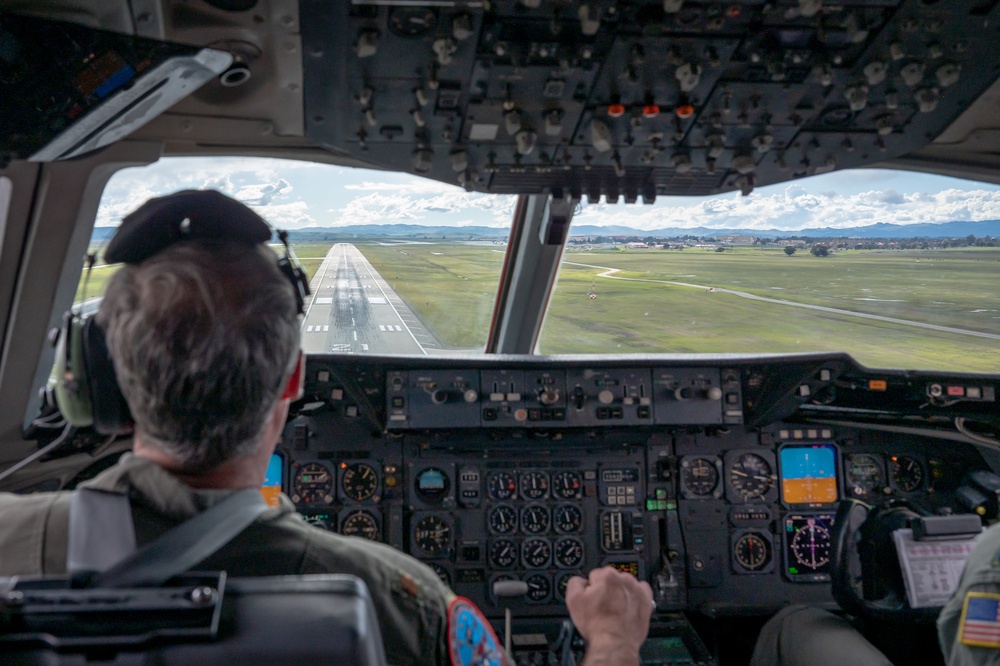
[
  {"x": 72, "y": 388},
  {"x": 297, "y": 277},
  {"x": 111, "y": 415}
]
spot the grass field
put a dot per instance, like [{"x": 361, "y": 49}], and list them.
[
  {"x": 451, "y": 287},
  {"x": 945, "y": 287}
]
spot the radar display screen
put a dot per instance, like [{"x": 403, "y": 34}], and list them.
[
  {"x": 809, "y": 474},
  {"x": 271, "y": 488}
]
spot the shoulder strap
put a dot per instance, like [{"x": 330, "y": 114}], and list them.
[
  {"x": 102, "y": 534},
  {"x": 101, "y": 531},
  {"x": 187, "y": 544}
]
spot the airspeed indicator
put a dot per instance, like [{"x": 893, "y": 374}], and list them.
[{"x": 751, "y": 477}]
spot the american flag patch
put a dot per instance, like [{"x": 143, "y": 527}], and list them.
[{"x": 980, "y": 620}]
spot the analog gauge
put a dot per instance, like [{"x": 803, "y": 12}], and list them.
[
  {"x": 535, "y": 519},
  {"x": 503, "y": 553},
  {"x": 536, "y": 553},
  {"x": 502, "y": 519},
  {"x": 568, "y": 518},
  {"x": 534, "y": 485},
  {"x": 700, "y": 476},
  {"x": 321, "y": 520},
  {"x": 441, "y": 572},
  {"x": 412, "y": 21},
  {"x": 751, "y": 477},
  {"x": 907, "y": 473},
  {"x": 432, "y": 484},
  {"x": 360, "y": 524},
  {"x": 569, "y": 552},
  {"x": 359, "y": 481},
  {"x": 864, "y": 475},
  {"x": 811, "y": 545},
  {"x": 432, "y": 535},
  {"x": 567, "y": 485},
  {"x": 539, "y": 588},
  {"x": 562, "y": 582},
  {"x": 752, "y": 551},
  {"x": 503, "y": 486},
  {"x": 312, "y": 483}
]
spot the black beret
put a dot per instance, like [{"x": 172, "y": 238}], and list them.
[{"x": 185, "y": 215}]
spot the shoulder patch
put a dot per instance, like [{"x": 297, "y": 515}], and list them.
[
  {"x": 471, "y": 639},
  {"x": 980, "y": 623}
]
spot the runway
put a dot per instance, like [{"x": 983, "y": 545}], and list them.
[{"x": 354, "y": 311}]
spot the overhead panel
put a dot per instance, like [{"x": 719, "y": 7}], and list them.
[{"x": 638, "y": 99}]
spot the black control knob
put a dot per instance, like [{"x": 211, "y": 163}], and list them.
[
  {"x": 579, "y": 397},
  {"x": 439, "y": 397},
  {"x": 549, "y": 396}
]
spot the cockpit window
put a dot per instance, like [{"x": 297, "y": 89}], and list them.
[
  {"x": 894, "y": 268},
  {"x": 397, "y": 264}
]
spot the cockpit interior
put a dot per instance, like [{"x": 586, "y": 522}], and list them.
[{"x": 714, "y": 476}]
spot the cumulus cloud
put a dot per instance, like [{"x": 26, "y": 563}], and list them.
[
  {"x": 294, "y": 194},
  {"x": 795, "y": 208}
]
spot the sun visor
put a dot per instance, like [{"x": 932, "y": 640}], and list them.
[
  {"x": 186, "y": 215},
  {"x": 67, "y": 89}
]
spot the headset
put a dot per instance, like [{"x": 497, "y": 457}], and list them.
[{"x": 86, "y": 390}]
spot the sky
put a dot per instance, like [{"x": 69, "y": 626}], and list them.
[{"x": 298, "y": 195}]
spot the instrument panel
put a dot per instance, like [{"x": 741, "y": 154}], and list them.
[{"x": 518, "y": 472}]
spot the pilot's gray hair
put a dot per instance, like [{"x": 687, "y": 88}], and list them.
[{"x": 204, "y": 338}]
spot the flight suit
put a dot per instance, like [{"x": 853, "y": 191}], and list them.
[
  {"x": 411, "y": 601},
  {"x": 981, "y": 575}
]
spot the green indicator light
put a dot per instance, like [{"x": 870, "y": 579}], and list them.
[
  {"x": 651, "y": 505},
  {"x": 792, "y": 570},
  {"x": 671, "y": 506},
  {"x": 661, "y": 493}
]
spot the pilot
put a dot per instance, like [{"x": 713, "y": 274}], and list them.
[
  {"x": 205, "y": 335},
  {"x": 968, "y": 626}
]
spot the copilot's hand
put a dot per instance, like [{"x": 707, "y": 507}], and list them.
[{"x": 611, "y": 610}]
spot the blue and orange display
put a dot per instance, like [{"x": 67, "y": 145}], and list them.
[
  {"x": 809, "y": 474},
  {"x": 271, "y": 488}
]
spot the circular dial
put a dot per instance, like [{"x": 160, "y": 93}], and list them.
[
  {"x": 811, "y": 545},
  {"x": 432, "y": 535},
  {"x": 502, "y": 486},
  {"x": 360, "y": 524},
  {"x": 700, "y": 476},
  {"x": 569, "y": 552},
  {"x": 536, "y": 553},
  {"x": 412, "y": 21},
  {"x": 502, "y": 519},
  {"x": 534, "y": 485},
  {"x": 562, "y": 581},
  {"x": 539, "y": 587},
  {"x": 432, "y": 484},
  {"x": 503, "y": 553},
  {"x": 568, "y": 518},
  {"x": 864, "y": 474},
  {"x": 312, "y": 484},
  {"x": 567, "y": 485},
  {"x": 535, "y": 519},
  {"x": 751, "y": 477},
  {"x": 752, "y": 551},
  {"x": 359, "y": 482},
  {"x": 907, "y": 473}
]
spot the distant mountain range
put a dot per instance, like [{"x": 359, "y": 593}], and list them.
[{"x": 420, "y": 232}]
